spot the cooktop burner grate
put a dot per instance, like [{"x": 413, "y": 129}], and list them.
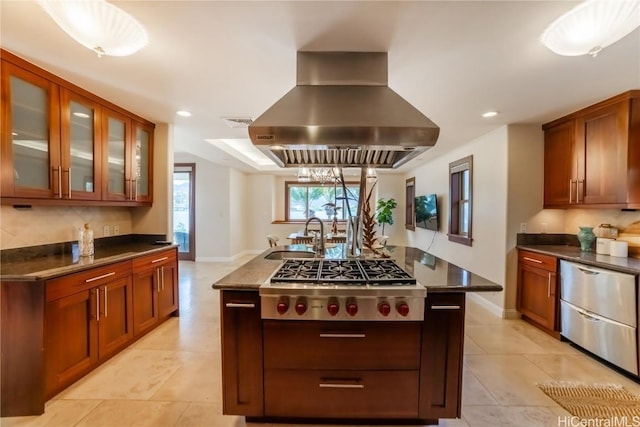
[{"x": 342, "y": 271}]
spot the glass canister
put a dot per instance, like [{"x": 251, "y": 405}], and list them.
[
  {"x": 85, "y": 241},
  {"x": 586, "y": 238}
]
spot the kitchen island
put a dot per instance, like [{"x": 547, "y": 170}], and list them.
[{"x": 359, "y": 367}]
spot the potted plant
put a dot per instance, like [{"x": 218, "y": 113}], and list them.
[{"x": 384, "y": 212}]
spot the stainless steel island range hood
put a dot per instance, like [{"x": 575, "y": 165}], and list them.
[{"x": 342, "y": 113}]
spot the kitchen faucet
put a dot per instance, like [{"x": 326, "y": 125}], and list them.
[{"x": 318, "y": 244}]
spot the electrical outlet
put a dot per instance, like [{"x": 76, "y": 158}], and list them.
[
  {"x": 106, "y": 231},
  {"x": 544, "y": 227},
  {"x": 523, "y": 227},
  {"x": 116, "y": 229}
]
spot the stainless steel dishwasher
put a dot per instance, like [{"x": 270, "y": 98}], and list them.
[{"x": 598, "y": 312}]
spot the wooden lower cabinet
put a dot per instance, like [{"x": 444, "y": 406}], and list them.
[
  {"x": 155, "y": 289},
  {"x": 242, "y": 374},
  {"x": 537, "y": 298},
  {"x": 86, "y": 327},
  {"x": 442, "y": 356},
  {"x": 278, "y": 369}
]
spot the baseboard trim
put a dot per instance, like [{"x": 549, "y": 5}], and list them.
[{"x": 497, "y": 310}]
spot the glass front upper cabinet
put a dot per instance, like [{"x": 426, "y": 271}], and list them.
[
  {"x": 142, "y": 164},
  {"x": 81, "y": 150},
  {"x": 31, "y": 158},
  {"x": 117, "y": 128}
]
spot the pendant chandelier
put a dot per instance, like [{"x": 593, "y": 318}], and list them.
[
  {"x": 98, "y": 25},
  {"x": 591, "y": 26},
  {"x": 321, "y": 175}
]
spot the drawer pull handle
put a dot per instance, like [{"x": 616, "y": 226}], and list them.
[
  {"x": 159, "y": 259},
  {"x": 93, "y": 279},
  {"x": 445, "y": 307},
  {"x": 240, "y": 305},
  {"x": 537, "y": 261},
  {"x": 342, "y": 335},
  {"x": 326, "y": 385},
  {"x": 585, "y": 271}
]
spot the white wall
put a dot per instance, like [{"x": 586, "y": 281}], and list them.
[
  {"x": 239, "y": 205},
  {"x": 486, "y": 256}
]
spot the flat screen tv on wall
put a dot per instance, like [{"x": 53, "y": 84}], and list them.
[{"x": 427, "y": 212}]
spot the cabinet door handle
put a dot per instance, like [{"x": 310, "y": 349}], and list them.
[
  {"x": 59, "y": 186},
  {"x": 537, "y": 261},
  {"x": 342, "y": 336},
  {"x": 97, "y": 305},
  {"x": 93, "y": 279},
  {"x": 549, "y": 286},
  {"x": 159, "y": 259},
  {"x": 106, "y": 298},
  {"x": 162, "y": 277},
  {"x": 578, "y": 182},
  {"x": 157, "y": 279},
  {"x": 135, "y": 188},
  {"x": 69, "y": 177},
  {"x": 445, "y": 307},
  {"x": 240, "y": 305},
  {"x": 329, "y": 385},
  {"x": 570, "y": 194}
]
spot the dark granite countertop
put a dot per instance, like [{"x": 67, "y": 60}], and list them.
[
  {"x": 431, "y": 272},
  {"x": 30, "y": 264},
  {"x": 573, "y": 253}
]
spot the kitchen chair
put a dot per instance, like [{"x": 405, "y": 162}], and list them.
[{"x": 273, "y": 240}]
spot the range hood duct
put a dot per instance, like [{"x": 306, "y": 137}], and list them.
[{"x": 342, "y": 113}]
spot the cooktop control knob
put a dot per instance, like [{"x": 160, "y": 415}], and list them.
[
  {"x": 352, "y": 308},
  {"x": 333, "y": 307},
  {"x": 403, "y": 309},
  {"x": 384, "y": 308},
  {"x": 283, "y": 306},
  {"x": 301, "y": 307}
]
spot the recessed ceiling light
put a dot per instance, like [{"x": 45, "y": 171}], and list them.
[
  {"x": 183, "y": 113},
  {"x": 490, "y": 114}
]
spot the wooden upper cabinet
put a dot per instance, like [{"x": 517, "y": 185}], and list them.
[
  {"x": 30, "y": 145},
  {"x": 592, "y": 157},
  {"x": 62, "y": 144}
]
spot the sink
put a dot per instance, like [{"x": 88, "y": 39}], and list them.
[{"x": 290, "y": 254}]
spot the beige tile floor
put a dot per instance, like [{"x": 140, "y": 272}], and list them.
[{"x": 171, "y": 377}]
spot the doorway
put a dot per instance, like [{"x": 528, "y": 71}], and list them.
[{"x": 184, "y": 210}]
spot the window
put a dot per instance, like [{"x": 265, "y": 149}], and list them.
[
  {"x": 304, "y": 201},
  {"x": 460, "y": 200},
  {"x": 410, "y": 194}
]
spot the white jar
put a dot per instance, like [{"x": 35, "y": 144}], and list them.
[
  {"x": 603, "y": 246},
  {"x": 619, "y": 249}
]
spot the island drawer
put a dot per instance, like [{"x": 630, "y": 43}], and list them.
[
  {"x": 341, "y": 345},
  {"x": 341, "y": 394}
]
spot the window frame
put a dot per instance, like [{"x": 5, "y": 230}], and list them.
[
  {"x": 457, "y": 170},
  {"x": 289, "y": 184}
]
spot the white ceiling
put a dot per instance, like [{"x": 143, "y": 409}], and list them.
[{"x": 453, "y": 60}]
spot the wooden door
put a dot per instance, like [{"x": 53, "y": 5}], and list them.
[
  {"x": 30, "y": 143},
  {"x": 145, "y": 300},
  {"x": 537, "y": 295},
  {"x": 560, "y": 165},
  {"x": 441, "y": 365},
  {"x": 72, "y": 339},
  {"x": 116, "y": 316},
  {"x": 81, "y": 147},
  {"x": 168, "y": 293},
  {"x": 604, "y": 133},
  {"x": 242, "y": 366}
]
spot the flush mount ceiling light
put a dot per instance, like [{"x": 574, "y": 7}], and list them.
[
  {"x": 183, "y": 113},
  {"x": 591, "y": 26},
  {"x": 489, "y": 114},
  {"x": 98, "y": 25}
]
